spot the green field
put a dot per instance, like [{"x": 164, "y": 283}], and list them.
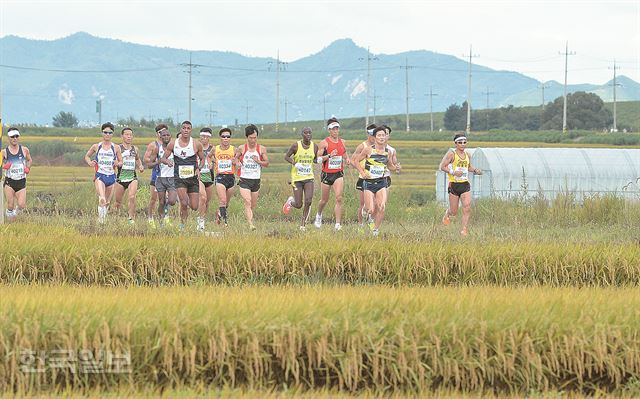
[{"x": 539, "y": 301}]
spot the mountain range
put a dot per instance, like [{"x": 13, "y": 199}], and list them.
[{"x": 41, "y": 78}]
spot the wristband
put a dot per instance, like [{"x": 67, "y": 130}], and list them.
[
  {"x": 450, "y": 169},
  {"x": 319, "y": 160}
]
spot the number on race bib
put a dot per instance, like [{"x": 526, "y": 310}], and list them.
[
  {"x": 376, "y": 171},
  {"x": 185, "y": 171},
  {"x": 335, "y": 162},
  {"x": 304, "y": 170},
  {"x": 224, "y": 165},
  {"x": 129, "y": 164}
]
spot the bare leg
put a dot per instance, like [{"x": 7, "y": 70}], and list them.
[
  {"x": 338, "y": 187},
  {"x": 133, "y": 191},
  {"x": 466, "y": 209}
]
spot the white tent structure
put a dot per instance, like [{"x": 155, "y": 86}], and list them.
[{"x": 527, "y": 172}]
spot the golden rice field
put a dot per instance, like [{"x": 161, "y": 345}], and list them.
[
  {"x": 406, "y": 340},
  {"x": 541, "y": 300}
]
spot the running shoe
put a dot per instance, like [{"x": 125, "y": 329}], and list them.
[
  {"x": 131, "y": 221},
  {"x": 252, "y": 227},
  {"x": 338, "y": 227},
  {"x": 318, "y": 221},
  {"x": 303, "y": 228},
  {"x": 200, "y": 224},
  {"x": 218, "y": 216},
  {"x": 181, "y": 226},
  {"x": 375, "y": 232},
  {"x": 464, "y": 232},
  {"x": 445, "y": 219},
  {"x": 286, "y": 208}
]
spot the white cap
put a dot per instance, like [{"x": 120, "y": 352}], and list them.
[
  {"x": 13, "y": 133},
  {"x": 332, "y": 125}
]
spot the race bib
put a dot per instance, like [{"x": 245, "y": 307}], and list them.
[
  {"x": 376, "y": 171},
  {"x": 465, "y": 173},
  {"x": 129, "y": 164},
  {"x": 16, "y": 172},
  {"x": 185, "y": 171},
  {"x": 224, "y": 165},
  {"x": 335, "y": 162},
  {"x": 304, "y": 170}
]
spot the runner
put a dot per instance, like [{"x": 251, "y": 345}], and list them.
[
  {"x": 376, "y": 159},
  {"x": 223, "y": 158},
  {"x": 127, "y": 178},
  {"x": 332, "y": 154},
  {"x": 164, "y": 183},
  {"x": 367, "y": 143},
  {"x": 392, "y": 155},
  {"x": 252, "y": 157},
  {"x": 108, "y": 157},
  {"x": 457, "y": 165},
  {"x": 301, "y": 155},
  {"x": 155, "y": 168},
  {"x": 206, "y": 178},
  {"x": 17, "y": 164},
  {"x": 187, "y": 155}
]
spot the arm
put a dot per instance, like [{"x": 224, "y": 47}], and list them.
[
  {"x": 139, "y": 164},
  {"x": 359, "y": 157},
  {"x": 359, "y": 149},
  {"x": 289, "y": 155},
  {"x": 473, "y": 169},
  {"x": 118, "y": 162},
  {"x": 89, "y": 154},
  {"x": 264, "y": 160},
  {"x": 346, "y": 151},
  {"x": 165, "y": 157},
  {"x": 322, "y": 148},
  {"x": 27, "y": 156},
  {"x": 151, "y": 153},
  {"x": 200, "y": 153},
  {"x": 394, "y": 159},
  {"x": 446, "y": 162}
]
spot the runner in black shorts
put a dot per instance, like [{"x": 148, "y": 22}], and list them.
[
  {"x": 16, "y": 160},
  {"x": 187, "y": 155}
]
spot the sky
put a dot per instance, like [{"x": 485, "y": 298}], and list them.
[{"x": 522, "y": 36}]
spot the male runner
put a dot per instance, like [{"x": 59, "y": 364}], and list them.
[
  {"x": 223, "y": 159},
  {"x": 17, "y": 164},
  {"x": 206, "y": 178},
  {"x": 252, "y": 157},
  {"x": 301, "y": 156},
  {"x": 164, "y": 183},
  {"x": 127, "y": 178}
]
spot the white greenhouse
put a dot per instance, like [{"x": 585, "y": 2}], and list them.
[{"x": 526, "y": 172}]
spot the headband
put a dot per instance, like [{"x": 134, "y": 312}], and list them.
[{"x": 332, "y": 125}]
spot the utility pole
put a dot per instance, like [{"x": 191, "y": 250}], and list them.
[
  {"x": 564, "y": 106},
  {"x": 615, "y": 83},
  {"x": 212, "y": 114},
  {"x": 99, "y": 110},
  {"x": 375, "y": 97},
  {"x": 542, "y": 87},
  {"x": 369, "y": 59},
  {"x": 246, "y": 108},
  {"x": 471, "y": 55},
  {"x": 285, "y": 112},
  {"x": 431, "y": 94},
  {"x": 406, "y": 81},
  {"x": 488, "y": 93},
  {"x": 191, "y": 65},
  {"x": 278, "y": 64}
]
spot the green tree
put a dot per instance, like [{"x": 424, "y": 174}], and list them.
[
  {"x": 455, "y": 117},
  {"x": 585, "y": 111},
  {"x": 65, "y": 119}
]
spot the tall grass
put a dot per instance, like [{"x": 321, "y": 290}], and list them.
[{"x": 350, "y": 339}]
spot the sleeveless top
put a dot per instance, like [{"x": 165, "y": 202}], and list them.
[
  {"x": 224, "y": 160},
  {"x": 304, "y": 159},
  {"x": 165, "y": 170},
  {"x": 18, "y": 163},
  {"x": 250, "y": 169},
  {"x": 106, "y": 159},
  {"x": 127, "y": 172},
  {"x": 334, "y": 164},
  {"x": 376, "y": 163},
  {"x": 184, "y": 160},
  {"x": 460, "y": 164}
]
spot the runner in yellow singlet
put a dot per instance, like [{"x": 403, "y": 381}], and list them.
[
  {"x": 457, "y": 165},
  {"x": 301, "y": 156}
]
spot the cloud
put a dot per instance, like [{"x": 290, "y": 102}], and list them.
[{"x": 65, "y": 95}]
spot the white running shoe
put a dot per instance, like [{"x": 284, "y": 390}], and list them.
[
  {"x": 338, "y": 227},
  {"x": 375, "y": 232},
  {"x": 200, "y": 223},
  {"x": 286, "y": 208},
  {"x": 303, "y": 228},
  {"x": 318, "y": 222}
]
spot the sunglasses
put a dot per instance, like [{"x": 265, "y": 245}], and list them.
[
  {"x": 225, "y": 137},
  {"x": 106, "y": 132}
]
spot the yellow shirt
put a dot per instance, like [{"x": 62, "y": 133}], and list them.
[
  {"x": 462, "y": 165},
  {"x": 224, "y": 164},
  {"x": 303, "y": 160}
]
